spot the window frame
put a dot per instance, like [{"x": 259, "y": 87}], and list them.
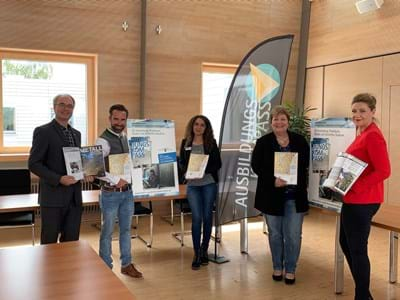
[
  {"x": 90, "y": 60},
  {"x": 208, "y": 67}
]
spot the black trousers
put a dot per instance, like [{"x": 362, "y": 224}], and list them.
[
  {"x": 63, "y": 222},
  {"x": 355, "y": 227}
]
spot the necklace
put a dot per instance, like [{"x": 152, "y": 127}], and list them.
[{"x": 283, "y": 141}]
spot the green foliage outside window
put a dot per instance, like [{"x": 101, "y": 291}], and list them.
[{"x": 30, "y": 70}]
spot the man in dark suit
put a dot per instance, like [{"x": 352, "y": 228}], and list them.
[{"x": 60, "y": 195}]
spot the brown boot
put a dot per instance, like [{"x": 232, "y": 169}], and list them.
[{"x": 131, "y": 271}]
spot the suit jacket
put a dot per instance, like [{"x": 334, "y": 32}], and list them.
[
  {"x": 270, "y": 199},
  {"x": 46, "y": 160}
]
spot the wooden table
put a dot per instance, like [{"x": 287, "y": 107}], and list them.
[
  {"x": 70, "y": 270},
  {"x": 388, "y": 217},
  {"x": 29, "y": 202},
  {"x": 92, "y": 197},
  {"x": 22, "y": 202}
]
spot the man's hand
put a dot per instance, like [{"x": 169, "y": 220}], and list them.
[
  {"x": 121, "y": 183},
  {"x": 89, "y": 178},
  {"x": 68, "y": 180},
  {"x": 280, "y": 182}
]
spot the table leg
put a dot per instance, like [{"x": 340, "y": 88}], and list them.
[
  {"x": 339, "y": 260},
  {"x": 393, "y": 256}
]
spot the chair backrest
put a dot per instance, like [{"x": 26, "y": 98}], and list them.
[
  {"x": 143, "y": 210},
  {"x": 15, "y": 181}
]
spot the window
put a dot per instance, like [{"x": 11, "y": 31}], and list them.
[
  {"x": 29, "y": 81},
  {"x": 216, "y": 82}
]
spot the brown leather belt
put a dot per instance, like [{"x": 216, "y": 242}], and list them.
[{"x": 125, "y": 188}]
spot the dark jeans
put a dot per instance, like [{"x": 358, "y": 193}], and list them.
[
  {"x": 355, "y": 227},
  {"x": 201, "y": 200}
]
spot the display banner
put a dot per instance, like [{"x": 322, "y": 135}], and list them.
[
  {"x": 255, "y": 89},
  {"x": 329, "y": 136},
  {"x": 153, "y": 154}
]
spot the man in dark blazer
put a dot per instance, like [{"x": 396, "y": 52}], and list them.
[{"x": 60, "y": 195}]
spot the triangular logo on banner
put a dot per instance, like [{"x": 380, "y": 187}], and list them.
[{"x": 263, "y": 83}]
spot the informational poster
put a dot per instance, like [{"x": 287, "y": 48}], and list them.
[
  {"x": 153, "y": 153},
  {"x": 329, "y": 137}
]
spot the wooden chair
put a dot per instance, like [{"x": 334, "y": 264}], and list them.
[{"x": 13, "y": 182}]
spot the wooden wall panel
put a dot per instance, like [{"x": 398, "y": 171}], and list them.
[
  {"x": 390, "y": 115},
  {"x": 194, "y": 32},
  {"x": 391, "y": 77},
  {"x": 313, "y": 96},
  {"x": 344, "y": 81},
  {"x": 339, "y": 33},
  {"x": 393, "y": 187},
  {"x": 83, "y": 26}
]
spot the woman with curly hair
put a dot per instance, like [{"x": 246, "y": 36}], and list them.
[{"x": 202, "y": 192}]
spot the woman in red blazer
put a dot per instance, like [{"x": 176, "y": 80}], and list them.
[{"x": 364, "y": 198}]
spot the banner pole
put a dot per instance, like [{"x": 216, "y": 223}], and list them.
[
  {"x": 244, "y": 236},
  {"x": 215, "y": 258}
]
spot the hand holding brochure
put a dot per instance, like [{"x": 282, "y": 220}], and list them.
[
  {"x": 345, "y": 171},
  {"x": 197, "y": 166},
  {"x": 285, "y": 166},
  {"x": 73, "y": 162}
]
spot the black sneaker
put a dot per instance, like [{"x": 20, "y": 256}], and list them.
[
  {"x": 277, "y": 277},
  {"x": 196, "y": 263},
  {"x": 290, "y": 280},
  {"x": 204, "y": 257}
]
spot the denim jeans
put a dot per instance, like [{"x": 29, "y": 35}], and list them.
[
  {"x": 113, "y": 205},
  {"x": 355, "y": 226},
  {"x": 201, "y": 200},
  {"x": 284, "y": 234}
]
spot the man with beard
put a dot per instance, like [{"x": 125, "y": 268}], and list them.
[{"x": 116, "y": 198}]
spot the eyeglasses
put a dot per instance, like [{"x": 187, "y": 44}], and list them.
[{"x": 63, "y": 105}]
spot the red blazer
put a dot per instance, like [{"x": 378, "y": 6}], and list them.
[{"x": 369, "y": 146}]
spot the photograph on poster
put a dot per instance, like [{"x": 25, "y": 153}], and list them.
[{"x": 151, "y": 177}]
